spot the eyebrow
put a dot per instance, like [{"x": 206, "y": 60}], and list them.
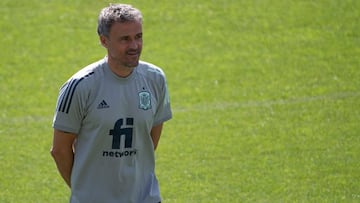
[{"x": 128, "y": 36}]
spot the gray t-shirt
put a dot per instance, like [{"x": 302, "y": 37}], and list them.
[{"x": 112, "y": 117}]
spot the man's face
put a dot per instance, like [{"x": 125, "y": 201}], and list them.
[{"x": 124, "y": 43}]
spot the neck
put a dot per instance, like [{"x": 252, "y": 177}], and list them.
[{"x": 119, "y": 69}]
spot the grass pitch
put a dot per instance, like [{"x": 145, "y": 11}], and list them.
[{"x": 265, "y": 96}]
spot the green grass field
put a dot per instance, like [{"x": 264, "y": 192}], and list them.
[{"x": 265, "y": 96}]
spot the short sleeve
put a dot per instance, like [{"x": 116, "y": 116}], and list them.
[
  {"x": 163, "y": 112},
  {"x": 70, "y": 109}
]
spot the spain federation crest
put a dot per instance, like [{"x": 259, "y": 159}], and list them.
[{"x": 144, "y": 100}]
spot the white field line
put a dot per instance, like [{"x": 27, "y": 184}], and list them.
[
  {"x": 26, "y": 119},
  {"x": 206, "y": 107},
  {"x": 266, "y": 103}
]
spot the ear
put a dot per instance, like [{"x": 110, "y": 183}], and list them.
[{"x": 103, "y": 41}]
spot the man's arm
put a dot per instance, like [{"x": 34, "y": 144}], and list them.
[
  {"x": 155, "y": 134},
  {"x": 63, "y": 153}
]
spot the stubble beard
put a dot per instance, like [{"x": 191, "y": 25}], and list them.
[{"x": 134, "y": 62}]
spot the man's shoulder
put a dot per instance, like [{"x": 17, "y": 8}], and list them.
[
  {"x": 89, "y": 70},
  {"x": 150, "y": 70},
  {"x": 86, "y": 77}
]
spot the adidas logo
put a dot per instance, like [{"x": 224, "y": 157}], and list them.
[{"x": 103, "y": 105}]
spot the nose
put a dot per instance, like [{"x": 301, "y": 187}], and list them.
[{"x": 134, "y": 44}]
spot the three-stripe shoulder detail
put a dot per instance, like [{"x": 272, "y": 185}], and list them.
[{"x": 69, "y": 93}]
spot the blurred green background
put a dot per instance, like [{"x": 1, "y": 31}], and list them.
[{"x": 265, "y": 96}]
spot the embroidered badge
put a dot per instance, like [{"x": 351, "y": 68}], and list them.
[{"x": 144, "y": 100}]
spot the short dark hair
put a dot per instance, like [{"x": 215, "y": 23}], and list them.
[{"x": 116, "y": 13}]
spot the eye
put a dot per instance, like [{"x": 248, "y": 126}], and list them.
[
  {"x": 124, "y": 39},
  {"x": 138, "y": 36}
]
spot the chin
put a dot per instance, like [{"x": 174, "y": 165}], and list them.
[{"x": 132, "y": 64}]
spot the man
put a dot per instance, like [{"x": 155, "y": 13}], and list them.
[{"x": 109, "y": 118}]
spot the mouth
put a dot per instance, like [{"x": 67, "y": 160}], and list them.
[
  {"x": 133, "y": 56},
  {"x": 133, "y": 53}
]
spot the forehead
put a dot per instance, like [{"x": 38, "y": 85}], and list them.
[{"x": 128, "y": 28}]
